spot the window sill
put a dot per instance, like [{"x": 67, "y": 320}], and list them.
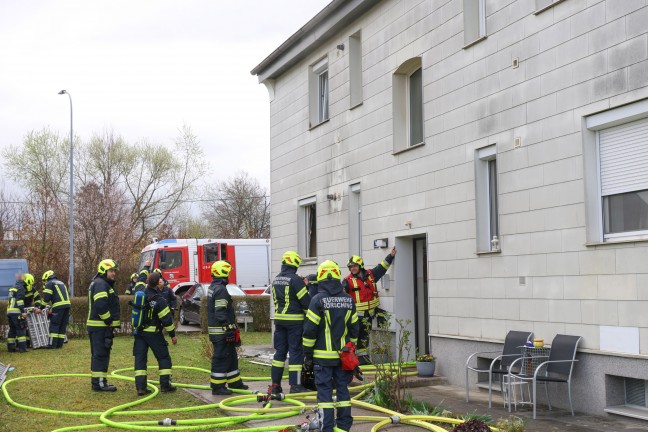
[
  {"x": 488, "y": 252},
  {"x": 616, "y": 242},
  {"x": 475, "y": 42},
  {"x": 408, "y": 148},
  {"x": 311, "y": 127},
  {"x": 355, "y": 106},
  {"x": 309, "y": 260},
  {"x": 539, "y": 11},
  {"x": 627, "y": 411}
]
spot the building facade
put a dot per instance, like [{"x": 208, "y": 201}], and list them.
[{"x": 501, "y": 146}]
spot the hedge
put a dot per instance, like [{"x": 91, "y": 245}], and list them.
[{"x": 258, "y": 305}]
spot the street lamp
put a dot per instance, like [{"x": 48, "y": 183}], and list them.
[{"x": 71, "y": 196}]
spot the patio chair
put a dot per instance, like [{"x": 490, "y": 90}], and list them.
[
  {"x": 558, "y": 368},
  {"x": 501, "y": 364}
]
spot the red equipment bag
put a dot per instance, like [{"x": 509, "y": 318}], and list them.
[{"x": 349, "y": 358}]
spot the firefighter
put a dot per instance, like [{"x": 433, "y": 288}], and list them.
[
  {"x": 361, "y": 285},
  {"x": 291, "y": 301},
  {"x": 142, "y": 277},
  {"x": 33, "y": 300},
  {"x": 130, "y": 289},
  {"x": 167, "y": 293},
  {"x": 16, "y": 339},
  {"x": 331, "y": 324},
  {"x": 311, "y": 284},
  {"x": 56, "y": 293},
  {"x": 103, "y": 317},
  {"x": 158, "y": 316},
  {"x": 223, "y": 333}
]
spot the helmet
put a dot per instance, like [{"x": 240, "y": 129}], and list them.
[
  {"x": 48, "y": 274},
  {"x": 157, "y": 270},
  {"x": 291, "y": 258},
  {"x": 28, "y": 278},
  {"x": 328, "y": 270},
  {"x": 221, "y": 269},
  {"x": 356, "y": 259},
  {"x": 133, "y": 276},
  {"x": 106, "y": 265}
]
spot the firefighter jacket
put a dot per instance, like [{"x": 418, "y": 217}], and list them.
[
  {"x": 290, "y": 296},
  {"x": 103, "y": 303},
  {"x": 363, "y": 287},
  {"x": 32, "y": 297},
  {"x": 331, "y": 322},
  {"x": 130, "y": 289},
  {"x": 220, "y": 310},
  {"x": 159, "y": 315},
  {"x": 169, "y": 296},
  {"x": 56, "y": 292},
  {"x": 16, "y": 303}
]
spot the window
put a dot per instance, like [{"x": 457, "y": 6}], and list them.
[
  {"x": 408, "y": 105},
  {"x": 318, "y": 83},
  {"x": 307, "y": 228},
  {"x": 170, "y": 259},
  {"x": 355, "y": 69},
  {"x": 210, "y": 252},
  {"x": 474, "y": 21},
  {"x": 616, "y": 181},
  {"x": 543, "y": 5},
  {"x": 487, "y": 199},
  {"x": 355, "y": 220}
]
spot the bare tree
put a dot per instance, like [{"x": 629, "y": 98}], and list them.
[{"x": 241, "y": 208}]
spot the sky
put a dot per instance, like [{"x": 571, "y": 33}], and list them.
[{"x": 143, "y": 68}]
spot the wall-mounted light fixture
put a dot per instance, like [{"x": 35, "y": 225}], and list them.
[
  {"x": 381, "y": 243},
  {"x": 333, "y": 196},
  {"x": 340, "y": 47}
]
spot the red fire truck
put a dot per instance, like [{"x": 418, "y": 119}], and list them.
[{"x": 184, "y": 262}]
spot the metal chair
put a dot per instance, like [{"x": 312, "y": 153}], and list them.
[
  {"x": 500, "y": 364},
  {"x": 558, "y": 368}
]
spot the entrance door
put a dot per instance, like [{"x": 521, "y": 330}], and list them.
[{"x": 421, "y": 301}]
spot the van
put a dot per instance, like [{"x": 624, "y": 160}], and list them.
[{"x": 8, "y": 270}]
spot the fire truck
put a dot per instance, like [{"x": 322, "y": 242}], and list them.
[{"x": 185, "y": 262}]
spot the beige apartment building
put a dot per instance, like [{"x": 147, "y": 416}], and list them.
[{"x": 502, "y": 147}]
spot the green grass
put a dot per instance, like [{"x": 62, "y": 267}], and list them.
[{"x": 74, "y": 393}]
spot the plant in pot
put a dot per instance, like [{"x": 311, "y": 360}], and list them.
[{"x": 425, "y": 364}]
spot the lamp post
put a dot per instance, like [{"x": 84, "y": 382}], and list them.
[{"x": 71, "y": 196}]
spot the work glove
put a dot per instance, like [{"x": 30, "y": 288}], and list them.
[
  {"x": 308, "y": 362},
  {"x": 358, "y": 374},
  {"x": 230, "y": 336}
]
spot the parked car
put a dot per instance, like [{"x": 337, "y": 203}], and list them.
[{"x": 190, "y": 303}]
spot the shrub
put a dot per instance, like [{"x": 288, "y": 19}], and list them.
[
  {"x": 511, "y": 424},
  {"x": 473, "y": 425}
]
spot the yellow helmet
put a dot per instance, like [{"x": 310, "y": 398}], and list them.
[
  {"x": 106, "y": 265},
  {"x": 355, "y": 259},
  {"x": 157, "y": 270},
  {"x": 221, "y": 269},
  {"x": 328, "y": 270},
  {"x": 133, "y": 276},
  {"x": 291, "y": 258},
  {"x": 48, "y": 274},
  {"x": 28, "y": 278}
]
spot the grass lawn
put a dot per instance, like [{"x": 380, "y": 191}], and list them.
[{"x": 74, "y": 393}]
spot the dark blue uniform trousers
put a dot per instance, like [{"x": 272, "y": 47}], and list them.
[
  {"x": 288, "y": 338},
  {"x": 328, "y": 378},
  {"x": 160, "y": 347},
  {"x": 58, "y": 326},
  {"x": 101, "y": 339}
]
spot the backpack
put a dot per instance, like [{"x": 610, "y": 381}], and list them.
[{"x": 141, "y": 314}]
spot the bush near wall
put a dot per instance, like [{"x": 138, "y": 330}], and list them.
[
  {"x": 79, "y": 316},
  {"x": 258, "y": 305}
]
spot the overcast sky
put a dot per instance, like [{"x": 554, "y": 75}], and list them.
[{"x": 143, "y": 68}]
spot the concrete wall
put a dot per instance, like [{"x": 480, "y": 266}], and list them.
[{"x": 576, "y": 58}]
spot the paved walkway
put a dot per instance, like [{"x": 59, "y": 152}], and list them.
[{"x": 452, "y": 398}]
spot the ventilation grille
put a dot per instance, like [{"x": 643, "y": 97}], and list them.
[{"x": 635, "y": 392}]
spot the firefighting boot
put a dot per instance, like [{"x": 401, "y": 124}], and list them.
[
  {"x": 143, "y": 391},
  {"x": 100, "y": 384},
  {"x": 220, "y": 390},
  {"x": 275, "y": 389},
  {"x": 11, "y": 347},
  {"x": 238, "y": 385},
  {"x": 298, "y": 389}
]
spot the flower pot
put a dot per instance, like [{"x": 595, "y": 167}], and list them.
[{"x": 425, "y": 369}]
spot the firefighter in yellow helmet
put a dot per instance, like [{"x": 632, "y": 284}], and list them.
[
  {"x": 361, "y": 285},
  {"x": 331, "y": 326},
  {"x": 33, "y": 301},
  {"x": 55, "y": 292},
  {"x": 16, "y": 338},
  {"x": 130, "y": 289},
  {"x": 103, "y": 317},
  {"x": 291, "y": 301},
  {"x": 223, "y": 333}
]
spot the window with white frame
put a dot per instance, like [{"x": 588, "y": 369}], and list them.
[
  {"x": 616, "y": 178},
  {"x": 355, "y": 69},
  {"x": 318, "y": 83},
  {"x": 355, "y": 220},
  {"x": 408, "y": 105},
  {"x": 307, "y": 228},
  {"x": 474, "y": 14},
  {"x": 487, "y": 199}
]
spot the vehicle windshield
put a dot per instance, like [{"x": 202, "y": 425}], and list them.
[{"x": 146, "y": 256}]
